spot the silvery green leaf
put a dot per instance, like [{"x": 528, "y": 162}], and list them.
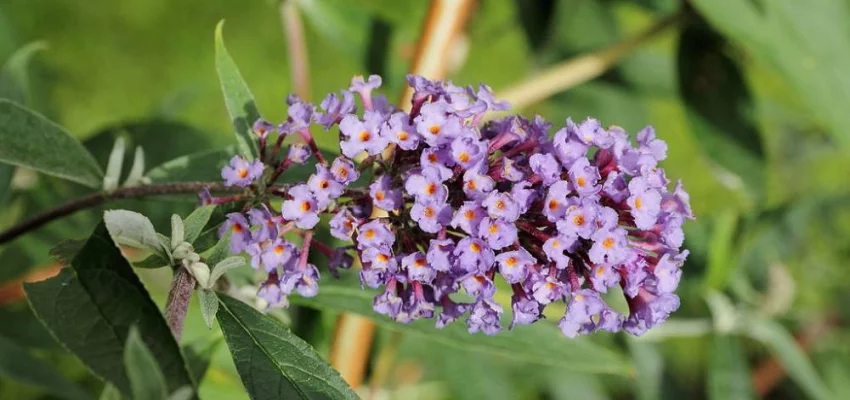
[
  {"x": 113, "y": 166},
  {"x": 138, "y": 168},
  {"x": 196, "y": 221},
  {"x": 177, "y": 234},
  {"x": 224, "y": 266},
  {"x": 209, "y": 305},
  {"x": 135, "y": 230}
]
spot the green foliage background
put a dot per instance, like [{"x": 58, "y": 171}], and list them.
[{"x": 751, "y": 96}]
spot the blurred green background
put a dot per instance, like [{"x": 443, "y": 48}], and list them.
[{"x": 751, "y": 96}]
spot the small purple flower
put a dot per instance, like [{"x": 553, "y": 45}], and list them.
[
  {"x": 398, "y": 130},
  {"x": 476, "y": 185},
  {"x": 546, "y": 166},
  {"x": 501, "y": 205},
  {"x": 484, "y": 317},
  {"x": 262, "y": 128},
  {"x": 468, "y": 217},
  {"x": 636, "y": 274},
  {"x": 678, "y": 202},
  {"x": 556, "y": 203},
  {"x": 362, "y": 135},
  {"x": 241, "y": 172},
  {"x": 649, "y": 144},
  {"x": 668, "y": 272},
  {"x": 648, "y": 310},
  {"x": 510, "y": 171},
  {"x": 424, "y": 88},
  {"x": 514, "y": 265},
  {"x": 343, "y": 171},
  {"x": 526, "y": 310},
  {"x": 609, "y": 246},
  {"x": 584, "y": 177},
  {"x": 485, "y": 95},
  {"x": 278, "y": 254},
  {"x": 266, "y": 223},
  {"x": 585, "y": 306},
  {"x": 524, "y": 195},
  {"x": 437, "y": 158},
  {"x": 645, "y": 203},
  {"x": 241, "y": 237},
  {"x": 374, "y": 234},
  {"x": 479, "y": 286},
  {"x": 342, "y": 224},
  {"x": 436, "y": 125},
  {"x": 615, "y": 187},
  {"x": 590, "y": 132},
  {"x": 379, "y": 259},
  {"x": 299, "y": 115},
  {"x": 548, "y": 290},
  {"x": 607, "y": 218},
  {"x": 270, "y": 292},
  {"x": 383, "y": 195},
  {"x": 568, "y": 147},
  {"x": 579, "y": 220},
  {"x": 498, "y": 233},
  {"x": 301, "y": 208},
  {"x": 431, "y": 215},
  {"x": 474, "y": 255},
  {"x": 388, "y": 303},
  {"x": 468, "y": 151},
  {"x": 335, "y": 108},
  {"x": 299, "y": 153},
  {"x": 304, "y": 281},
  {"x": 671, "y": 230},
  {"x": 324, "y": 186},
  {"x": 440, "y": 255},
  {"x": 426, "y": 186},
  {"x": 418, "y": 269},
  {"x": 451, "y": 312},
  {"x": 556, "y": 246},
  {"x": 603, "y": 276}
]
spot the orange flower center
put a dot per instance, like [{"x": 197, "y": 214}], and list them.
[
  {"x": 370, "y": 233},
  {"x": 420, "y": 262},
  {"x": 342, "y": 172},
  {"x": 365, "y": 136},
  {"x": 469, "y": 214},
  {"x": 432, "y": 157},
  {"x": 237, "y": 228},
  {"x": 600, "y": 271},
  {"x": 243, "y": 173},
  {"x": 306, "y": 206},
  {"x": 494, "y": 228},
  {"x": 463, "y": 157},
  {"x": 434, "y": 129},
  {"x": 475, "y": 247},
  {"x": 402, "y": 135},
  {"x": 581, "y": 181},
  {"x": 382, "y": 258},
  {"x": 511, "y": 261},
  {"x": 471, "y": 184},
  {"x": 578, "y": 220},
  {"x": 429, "y": 212},
  {"x": 279, "y": 250},
  {"x": 553, "y": 204},
  {"x": 379, "y": 195},
  {"x": 638, "y": 203},
  {"x": 324, "y": 184},
  {"x": 431, "y": 189},
  {"x": 500, "y": 205}
]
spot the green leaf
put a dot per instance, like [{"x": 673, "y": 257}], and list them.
[
  {"x": 541, "y": 343},
  {"x": 196, "y": 221},
  {"x": 795, "y": 362},
  {"x": 30, "y": 140},
  {"x": 66, "y": 250},
  {"x": 16, "y": 363},
  {"x": 721, "y": 260},
  {"x": 719, "y": 104},
  {"x": 91, "y": 306},
  {"x": 225, "y": 265},
  {"x": 209, "y": 306},
  {"x": 14, "y": 79},
  {"x": 137, "y": 169},
  {"x": 805, "y": 41},
  {"x": 237, "y": 97},
  {"x": 133, "y": 229},
  {"x": 728, "y": 372},
  {"x": 274, "y": 363},
  {"x": 220, "y": 251},
  {"x": 146, "y": 380},
  {"x": 177, "y": 231},
  {"x": 203, "y": 166},
  {"x": 110, "y": 392},
  {"x": 650, "y": 369},
  {"x": 114, "y": 165}
]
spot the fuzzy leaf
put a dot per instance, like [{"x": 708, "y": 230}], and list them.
[
  {"x": 133, "y": 229},
  {"x": 237, "y": 97},
  {"x": 196, "y": 221},
  {"x": 274, "y": 363},
  {"x": 209, "y": 306}
]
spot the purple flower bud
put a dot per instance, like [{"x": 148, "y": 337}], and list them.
[
  {"x": 299, "y": 153},
  {"x": 671, "y": 230},
  {"x": 678, "y": 202},
  {"x": 586, "y": 312},
  {"x": 343, "y": 171},
  {"x": 383, "y": 195},
  {"x": 524, "y": 195},
  {"x": 387, "y": 303},
  {"x": 649, "y": 144},
  {"x": 299, "y": 116},
  {"x": 484, "y": 317},
  {"x": 262, "y": 128},
  {"x": 241, "y": 236},
  {"x": 510, "y": 171},
  {"x": 302, "y": 208},
  {"x": 266, "y": 223},
  {"x": 424, "y": 88},
  {"x": 615, "y": 187},
  {"x": 359, "y": 85},
  {"x": 271, "y": 293},
  {"x": 335, "y": 108},
  {"x": 304, "y": 281},
  {"x": 241, "y": 172},
  {"x": 485, "y": 95},
  {"x": 668, "y": 272},
  {"x": 568, "y": 148},
  {"x": 636, "y": 273}
]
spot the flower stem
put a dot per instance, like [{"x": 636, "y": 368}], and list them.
[
  {"x": 96, "y": 199},
  {"x": 581, "y": 69},
  {"x": 296, "y": 45}
]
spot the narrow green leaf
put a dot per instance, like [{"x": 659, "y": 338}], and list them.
[
  {"x": 110, "y": 392},
  {"x": 728, "y": 372},
  {"x": 721, "y": 262},
  {"x": 114, "y": 165},
  {"x": 177, "y": 231},
  {"x": 16, "y": 363},
  {"x": 225, "y": 265},
  {"x": 138, "y": 168},
  {"x": 274, "y": 363},
  {"x": 30, "y": 140},
  {"x": 237, "y": 97},
  {"x": 146, "y": 380},
  {"x": 91, "y": 305},
  {"x": 203, "y": 166},
  {"x": 133, "y": 229},
  {"x": 220, "y": 251},
  {"x": 793, "y": 359},
  {"x": 196, "y": 221},
  {"x": 153, "y": 261},
  {"x": 720, "y": 107},
  {"x": 542, "y": 343},
  {"x": 209, "y": 306},
  {"x": 14, "y": 76}
]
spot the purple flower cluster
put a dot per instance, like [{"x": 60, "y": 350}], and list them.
[{"x": 462, "y": 205}]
